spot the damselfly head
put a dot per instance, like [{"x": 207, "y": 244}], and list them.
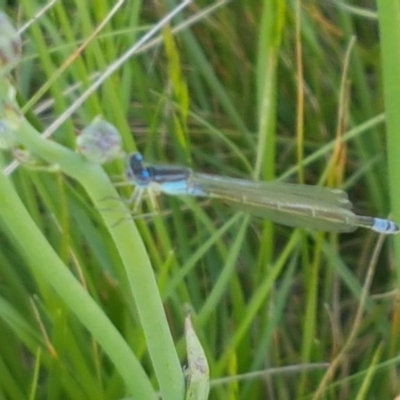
[{"x": 136, "y": 172}]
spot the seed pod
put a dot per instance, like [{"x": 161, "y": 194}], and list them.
[
  {"x": 8, "y": 137},
  {"x": 99, "y": 142},
  {"x": 10, "y": 45},
  {"x": 198, "y": 372},
  {"x": 10, "y": 121}
]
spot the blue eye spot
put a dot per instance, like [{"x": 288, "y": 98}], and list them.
[
  {"x": 142, "y": 177},
  {"x": 137, "y": 157},
  {"x": 144, "y": 174}
]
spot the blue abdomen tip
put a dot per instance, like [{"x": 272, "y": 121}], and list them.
[{"x": 385, "y": 226}]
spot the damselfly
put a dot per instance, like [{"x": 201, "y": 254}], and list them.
[{"x": 285, "y": 203}]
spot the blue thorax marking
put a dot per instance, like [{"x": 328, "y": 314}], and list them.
[{"x": 172, "y": 180}]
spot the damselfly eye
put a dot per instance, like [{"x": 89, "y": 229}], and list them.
[
  {"x": 136, "y": 158},
  {"x": 142, "y": 177}
]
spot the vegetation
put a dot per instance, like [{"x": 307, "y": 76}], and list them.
[{"x": 94, "y": 298}]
